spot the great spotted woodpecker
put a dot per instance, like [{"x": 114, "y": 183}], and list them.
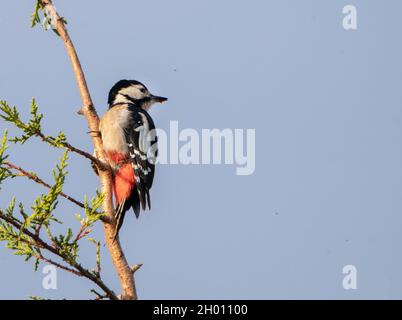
[{"x": 130, "y": 143}]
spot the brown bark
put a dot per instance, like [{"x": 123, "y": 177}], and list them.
[{"x": 88, "y": 110}]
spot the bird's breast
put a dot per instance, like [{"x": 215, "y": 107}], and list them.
[{"x": 112, "y": 127}]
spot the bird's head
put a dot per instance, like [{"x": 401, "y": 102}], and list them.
[{"x": 132, "y": 91}]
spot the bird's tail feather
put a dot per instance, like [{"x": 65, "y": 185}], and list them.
[
  {"x": 135, "y": 203},
  {"x": 120, "y": 213},
  {"x": 121, "y": 209}
]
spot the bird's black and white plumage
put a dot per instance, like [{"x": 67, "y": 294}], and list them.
[{"x": 130, "y": 142}]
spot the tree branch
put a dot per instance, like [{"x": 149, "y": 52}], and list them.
[
  {"x": 123, "y": 269},
  {"x": 36, "y": 179},
  {"x": 58, "y": 265},
  {"x": 99, "y": 164},
  {"x": 79, "y": 269}
]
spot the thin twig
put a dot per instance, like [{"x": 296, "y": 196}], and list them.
[
  {"x": 41, "y": 182},
  {"x": 98, "y": 295},
  {"x": 58, "y": 265},
  {"x": 101, "y": 165},
  {"x": 135, "y": 267},
  {"x": 98, "y": 261},
  {"x": 80, "y": 234}
]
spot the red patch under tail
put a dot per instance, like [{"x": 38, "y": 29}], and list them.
[{"x": 124, "y": 182}]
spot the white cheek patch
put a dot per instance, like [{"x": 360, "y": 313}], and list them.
[
  {"x": 120, "y": 99},
  {"x": 132, "y": 92}
]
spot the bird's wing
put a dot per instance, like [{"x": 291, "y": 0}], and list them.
[{"x": 142, "y": 144}]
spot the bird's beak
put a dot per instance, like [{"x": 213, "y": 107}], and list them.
[{"x": 157, "y": 99}]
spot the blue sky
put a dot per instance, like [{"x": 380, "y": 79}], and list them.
[{"x": 325, "y": 104}]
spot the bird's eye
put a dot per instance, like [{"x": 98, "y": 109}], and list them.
[{"x": 143, "y": 90}]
